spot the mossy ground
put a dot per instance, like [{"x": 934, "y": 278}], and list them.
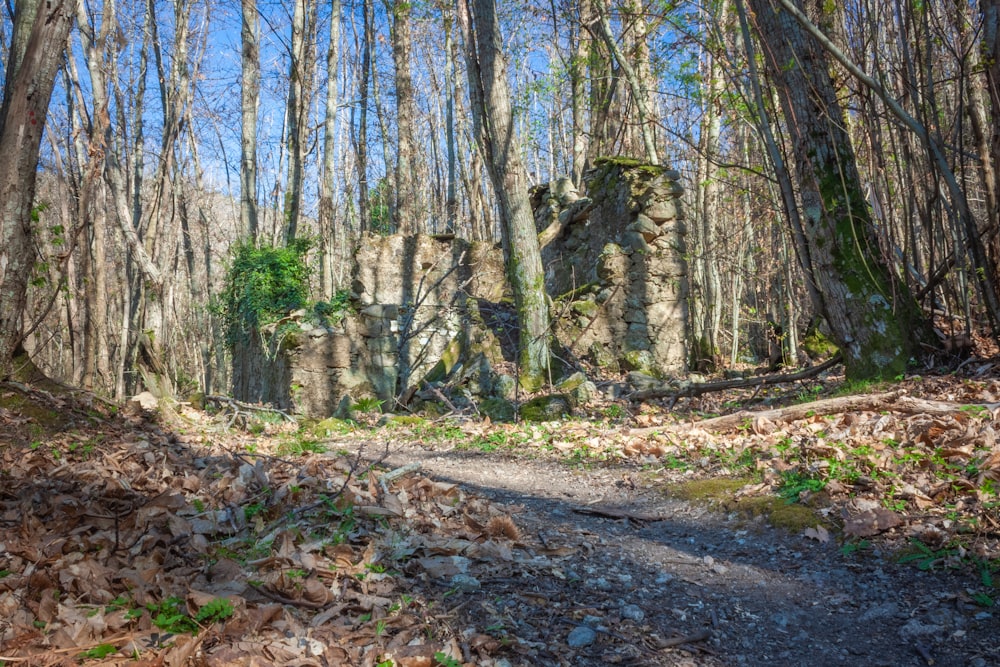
[{"x": 720, "y": 493}]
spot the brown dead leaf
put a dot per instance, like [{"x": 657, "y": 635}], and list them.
[
  {"x": 818, "y": 533},
  {"x": 871, "y": 522}
]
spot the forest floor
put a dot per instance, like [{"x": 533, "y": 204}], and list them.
[{"x": 835, "y": 525}]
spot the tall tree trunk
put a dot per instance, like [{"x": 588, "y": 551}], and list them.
[
  {"x": 579, "y": 37},
  {"x": 451, "y": 202},
  {"x": 297, "y": 112},
  {"x": 326, "y": 179},
  {"x": 872, "y": 316},
  {"x": 407, "y": 209},
  {"x": 249, "y": 102},
  {"x": 362, "y": 142},
  {"x": 489, "y": 94},
  {"x": 40, "y": 31}
]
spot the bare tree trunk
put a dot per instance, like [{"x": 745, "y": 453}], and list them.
[
  {"x": 579, "y": 36},
  {"x": 451, "y": 203},
  {"x": 362, "y": 142},
  {"x": 492, "y": 115},
  {"x": 249, "y": 102},
  {"x": 407, "y": 208},
  {"x": 326, "y": 180},
  {"x": 297, "y": 112},
  {"x": 40, "y": 31}
]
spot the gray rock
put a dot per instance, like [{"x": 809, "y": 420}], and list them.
[
  {"x": 633, "y": 613},
  {"x": 581, "y": 636},
  {"x": 465, "y": 583}
]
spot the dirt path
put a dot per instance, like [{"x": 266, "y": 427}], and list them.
[{"x": 629, "y": 592}]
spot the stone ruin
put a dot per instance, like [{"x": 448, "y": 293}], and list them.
[{"x": 432, "y": 309}]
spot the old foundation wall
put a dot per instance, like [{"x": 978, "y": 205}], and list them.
[{"x": 426, "y": 308}]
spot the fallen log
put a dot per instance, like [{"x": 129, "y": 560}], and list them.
[{"x": 698, "y": 388}]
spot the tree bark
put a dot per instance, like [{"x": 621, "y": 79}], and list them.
[
  {"x": 30, "y": 76},
  {"x": 297, "y": 112},
  {"x": 407, "y": 208},
  {"x": 493, "y": 120},
  {"x": 326, "y": 181},
  {"x": 872, "y": 316},
  {"x": 249, "y": 101}
]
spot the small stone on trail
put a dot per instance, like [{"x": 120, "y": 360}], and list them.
[
  {"x": 633, "y": 612},
  {"x": 581, "y": 636},
  {"x": 465, "y": 583}
]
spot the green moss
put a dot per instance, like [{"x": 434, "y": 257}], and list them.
[
  {"x": 329, "y": 427},
  {"x": 713, "y": 490},
  {"x": 449, "y": 357},
  {"x": 546, "y": 408},
  {"x": 46, "y": 419},
  {"x": 721, "y": 493},
  {"x": 532, "y": 382},
  {"x": 405, "y": 420},
  {"x": 818, "y": 346},
  {"x": 586, "y": 308},
  {"x": 498, "y": 409}
]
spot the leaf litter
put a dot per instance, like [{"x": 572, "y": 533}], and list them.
[{"x": 131, "y": 540}]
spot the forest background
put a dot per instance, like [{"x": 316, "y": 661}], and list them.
[{"x": 177, "y": 130}]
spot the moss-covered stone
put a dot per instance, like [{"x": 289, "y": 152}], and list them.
[
  {"x": 532, "y": 382},
  {"x": 639, "y": 360},
  {"x": 817, "y": 345},
  {"x": 585, "y": 307},
  {"x": 498, "y": 409},
  {"x": 577, "y": 387},
  {"x": 449, "y": 358},
  {"x": 547, "y": 408}
]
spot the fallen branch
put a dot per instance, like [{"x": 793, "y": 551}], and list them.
[
  {"x": 610, "y": 513},
  {"x": 698, "y": 388},
  {"x": 893, "y": 401},
  {"x": 236, "y": 406}
]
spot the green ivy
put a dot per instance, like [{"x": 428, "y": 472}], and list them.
[{"x": 263, "y": 284}]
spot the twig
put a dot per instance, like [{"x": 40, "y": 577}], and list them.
[{"x": 699, "y": 636}]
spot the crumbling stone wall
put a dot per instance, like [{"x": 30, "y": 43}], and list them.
[
  {"x": 424, "y": 306},
  {"x": 614, "y": 263},
  {"x": 414, "y": 306}
]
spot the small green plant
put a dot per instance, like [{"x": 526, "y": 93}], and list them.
[
  {"x": 614, "y": 411},
  {"x": 98, "y": 652},
  {"x": 794, "y": 484},
  {"x": 253, "y": 510},
  {"x": 368, "y": 404},
  {"x": 299, "y": 445},
  {"x": 850, "y": 548},
  {"x": 214, "y": 611},
  {"x": 445, "y": 660},
  {"x": 170, "y": 616},
  {"x": 921, "y": 555}
]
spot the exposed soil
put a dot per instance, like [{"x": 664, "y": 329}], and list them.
[{"x": 755, "y": 594}]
